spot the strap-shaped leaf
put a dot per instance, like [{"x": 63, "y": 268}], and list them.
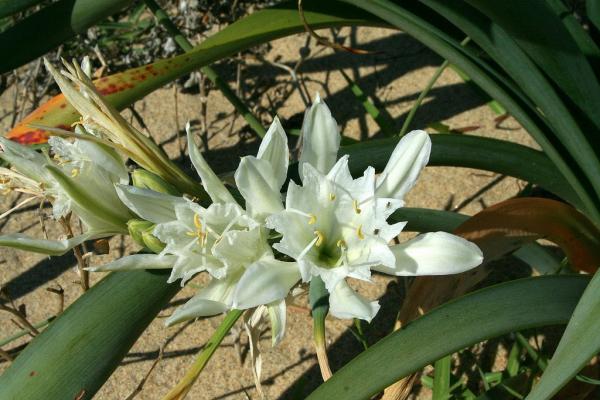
[
  {"x": 579, "y": 344},
  {"x": 79, "y": 350},
  {"x": 515, "y": 305}
]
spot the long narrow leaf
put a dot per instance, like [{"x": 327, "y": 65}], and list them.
[
  {"x": 79, "y": 350},
  {"x": 472, "y": 152},
  {"x": 122, "y": 89},
  {"x": 579, "y": 344},
  {"x": 515, "y": 305},
  {"x": 497, "y": 87},
  {"x": 50, "y": 27}
]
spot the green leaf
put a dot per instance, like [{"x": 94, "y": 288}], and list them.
[
  {"x": 441, "y": 378},
  {"x": 10, "y": 7},
  {"x": 50, "y": 27},
  {"x": 593, "y": 12},
  {"x": 541, "y": 33},
  {"x": 416, "y": 22},
  {"x": 515, "y": 305},
  {"x": 124, "y": 88},
  {"x": 469, "y": 151},
  {"x": 579, "y": 344},
  {"x": 79, "y": 350}
]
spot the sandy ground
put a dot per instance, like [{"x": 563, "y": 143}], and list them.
[{"x": 394, "y": 74}]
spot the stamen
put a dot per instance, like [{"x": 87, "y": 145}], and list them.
[
  {"x": 312, "y": 218},
  {"x": 331, "y": 196},
  {"x": 359, "y": 232},
  {"x": 355, "y": 205},
  {"x": 197, "y": 222},
  {"x": 320, "y": 238},
  {"x": 74, "y": 172},
  {"x": 341, "y": 243},
  {"x": 307, "y": 249},
  {"x": 202, "y": 236}
]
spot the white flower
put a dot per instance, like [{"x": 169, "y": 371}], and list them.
[
  {"x": 225, "y": 240},
  {"x": 336, "y": 227},
  {"x": 79, "y": 179}
]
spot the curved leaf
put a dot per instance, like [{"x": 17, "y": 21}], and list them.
[
  {"x": 515, "y": 305},
  {"x": 50, "y": 27},
  {"x": 579, "y": 344},
  {"x": 78, "y": 351},
  {"x": 416, "y": 23},
  {"x": 494, "y": 155},
  {"x": 124, "y": 88}
]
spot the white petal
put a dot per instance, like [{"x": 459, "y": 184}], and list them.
[
  {"x": 404, "y": 166},
  {"x": 274, "y": 149},
  {"x": 50, "y": 247},
  {"x": 240, "y": 248},
  {"x": 321, "y": 138},
  {"x": 265, "y": 281},
  {"x": 210, "y": 181},
  {"x": 277, "y": 314},
  {"x": 255, "y": 180},
  {"x": 150, "y": 205},
  {"x": 436, "y": 253},
  {"x": 27, "y": 161},
  {"x": 344, "y": 302},
  {"x": 214, "y": 299},
  {"x": 137, "y": 261}
]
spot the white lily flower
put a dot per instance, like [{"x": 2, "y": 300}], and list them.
[
  {"x": 223, "y": 239},
  {"x": 80, "y": 178},
  {"x": 336, "y": 227}
]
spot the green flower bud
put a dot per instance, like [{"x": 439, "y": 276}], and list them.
[
  {"x": 136, "y": 227},
  {"x": 147, "y": 180},
  {"x": 151, "y": 242}
]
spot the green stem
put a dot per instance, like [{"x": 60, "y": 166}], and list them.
[
  {"x": 185, "y": 384},
  {"x": 318, "y": 297},
  {"x": 424, "y": 93},
  {"x": 163, "y": 19},
  {"x": 441, "y": 378},
  {"x": 38, "y": 325}
]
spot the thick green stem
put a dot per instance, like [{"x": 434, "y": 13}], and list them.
[
  {"x": 163, "y": 19},
  {"x": 185, "y": 384},
  {"x": 318, "y": 296}
]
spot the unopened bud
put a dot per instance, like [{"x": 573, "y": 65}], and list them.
[{"x": 147, "y": 180}]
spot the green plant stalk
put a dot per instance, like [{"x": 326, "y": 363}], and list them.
[
  {"x": 539, "y": 359},
  {"x": 163, "y": 19},
  {"x": 423, "y": 94},
  {"x": 185, "y": 384},
  {"x": 381, "y": 117},
  {"x": 318, "y": 297},
  {"x": 441, "y": 378},
  {"x": 24, "y": 332}
]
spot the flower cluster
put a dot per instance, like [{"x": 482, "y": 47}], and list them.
[
  {"x": 331, "y": 226},
  {"x": 256, "y": 244}
]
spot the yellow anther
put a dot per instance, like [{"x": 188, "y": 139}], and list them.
[
  {"x": 355, "y": 205},
  {"x": 332, "y": 196},
  {"x": 197, "y": 222},
  {"x": 312, "y": 219},
  {"x": 359, "y": 232},
  {"x": 74, "y": 172},
  {"x": 78, "y": 122},
  {"x": 198, "y": 234},
  {"x": 320, "y": 238},
  {"x": 341, "y": 243}
]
